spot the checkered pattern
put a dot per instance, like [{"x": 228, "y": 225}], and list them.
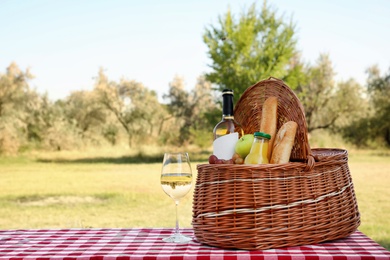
[{"x": 147, "y": 244}]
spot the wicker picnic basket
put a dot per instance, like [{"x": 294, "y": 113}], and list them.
[{"x": 309, "y": 200}]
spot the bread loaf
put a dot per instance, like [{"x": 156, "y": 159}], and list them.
[
  {"x": 269, "y": 120},
  {"x": 284, "y": 142}
]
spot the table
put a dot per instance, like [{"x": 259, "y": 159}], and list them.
[{"x": 145, "y": 243}]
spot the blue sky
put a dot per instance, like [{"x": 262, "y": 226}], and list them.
[{"x": 65, "y": 42}]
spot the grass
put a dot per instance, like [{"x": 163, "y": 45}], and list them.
[
  {"x": 371, "y": 176},
  {"x": 74, "y": 190},
  {"x": 114, "y": 188}
]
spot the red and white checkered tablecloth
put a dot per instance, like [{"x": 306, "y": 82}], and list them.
[{"x": 146, "y": 243}]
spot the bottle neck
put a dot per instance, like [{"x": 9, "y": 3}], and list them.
[{"x": 227, "y": 106}]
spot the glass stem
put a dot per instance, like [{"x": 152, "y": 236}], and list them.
[{"x": 177, "y": 231}]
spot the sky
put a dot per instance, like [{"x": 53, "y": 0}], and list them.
[{"x": 64, "y": 43}]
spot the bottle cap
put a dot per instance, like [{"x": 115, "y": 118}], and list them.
[
  {"x": 227, "y": 91},
  {"x": 261, "y": 134}
]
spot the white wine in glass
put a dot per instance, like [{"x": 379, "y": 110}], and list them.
[{"x": 176, "y": 181}]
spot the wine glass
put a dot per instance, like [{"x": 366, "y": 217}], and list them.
[{"x": 176, "y": 181}]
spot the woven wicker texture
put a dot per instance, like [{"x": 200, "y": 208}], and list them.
[{"x": 275, "y": 205}]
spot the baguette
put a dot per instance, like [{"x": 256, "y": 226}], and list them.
[
  {"x": 284, "y": 142},
  {"x": 269, "y": 121}
]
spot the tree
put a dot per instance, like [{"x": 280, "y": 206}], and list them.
[
  {"x": 83, "y": 108},
  {"x": 348, "y": 103},
  {"x": 254, "y": 47},
  {"x": 180, "y": 107},
  {"x": 378, "y": 88},
  {"x": 135, "y": 107},
  {"x": 326, "y": 103},
  {"x": 316, "y": 94},
  {"x": 205, "y": 104},
  {"x": 47, "y": 125},
  {"x": 29, "y": 119},
  {"x": 13, "y": 87},
  {"x": 14, "y": 90},
  {"x": 189, "y": 108},
  {"x": 37, "y": 116}
]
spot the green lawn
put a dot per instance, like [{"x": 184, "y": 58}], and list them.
[
  {"x": 371, "y": 177},
  {"x": 65, "y": 191}
]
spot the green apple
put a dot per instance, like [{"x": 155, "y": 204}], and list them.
[{"x": 244, "y": 144}]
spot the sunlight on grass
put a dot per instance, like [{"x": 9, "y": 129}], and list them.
[
  {"x": 57, "y": 195},
  {"x": 370, "y": 175}
]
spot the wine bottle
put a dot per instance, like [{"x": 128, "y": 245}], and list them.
[{"x": 227, "y": 132}]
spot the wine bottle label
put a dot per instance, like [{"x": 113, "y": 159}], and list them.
[{"x": 223, "y": 147}]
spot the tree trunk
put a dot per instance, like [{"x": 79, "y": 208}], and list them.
[{"x": 387, "y": 136}]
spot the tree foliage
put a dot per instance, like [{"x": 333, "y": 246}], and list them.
[
  {"x": 13, "y": 87},
  {"x": 378, "y": 88},
  {"x": 257, "y": 45},
  {"x": 14, "y": 92},
  {"x": 327, "y": 104},
  {"x": 136, "y": 108},
  {"x": 92, "y": 115},
  {"x": 188, "y": 108},
  {"x": 29, "y": 119},
  {"x": 375, "y": 126}
]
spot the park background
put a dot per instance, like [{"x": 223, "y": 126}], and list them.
[{"x": 93, "y": 93}]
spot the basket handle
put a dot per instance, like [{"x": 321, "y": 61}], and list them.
[{"x": 311, "y": 159}]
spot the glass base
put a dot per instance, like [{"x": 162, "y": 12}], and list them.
[{"x": 177, "y": 238}]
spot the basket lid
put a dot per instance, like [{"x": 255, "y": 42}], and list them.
[{"x": 248, "y": 109}]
